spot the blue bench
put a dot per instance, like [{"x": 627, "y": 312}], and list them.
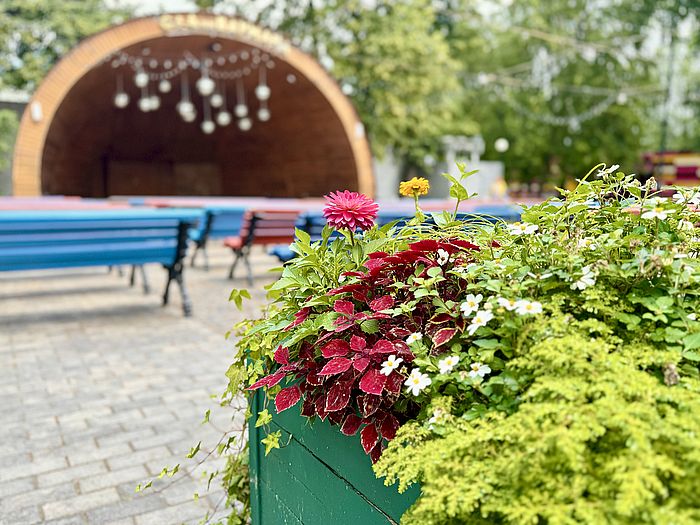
[
  {"x": 33, "y": 240},
  {"x": 313, "y": 224},
  {"x": 218, "y": 223}
]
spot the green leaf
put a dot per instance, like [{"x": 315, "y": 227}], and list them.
[
  {"x": 692, "y": 341},
  {"x": 237, "y": 297},
  {"x": 370, "y": 326},
  {"x": 264, "y": 418},
  {"x": 272, "y": 440}
]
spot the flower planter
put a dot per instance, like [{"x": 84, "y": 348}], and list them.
[{"x": 318, "y": 476}]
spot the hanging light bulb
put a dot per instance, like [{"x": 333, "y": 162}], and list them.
[
  {"x": 121, "y": 99},
  {"x": 155, "y": 102},
  {"x": 141, "y": 79},
  {"x": 241, "y": 110},
  {"x": 164, "y": 86},
  {"x": 216, "y": 100},
  {"x": 205, "y": 85},
  {"x": 185, "y": 107},
  {"x": 223, "y": 118},
  {"x": 145, "y": 104},
  {"x": 262, "y": 92},
  {"x": 263, "y": 114},
  {"x": 245, "y": 124},
  {"x": 208, "y": 127}
]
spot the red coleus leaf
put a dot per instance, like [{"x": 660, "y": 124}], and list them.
[
  {"x": 282, "y": 356},
  {"x": 336, "y": 418},
  {"x": 399, "y": 333},
  {"x": 360, "y": 363},
  {"x": 394, "y": 382},
  {"x": 374, "y": 264},
  {"x": 314, "y": 379},
  {"x": 373, "y": 382},
  {"x": 465, "y": 245},
  {"x": 426, "y": 245},
  {"x": 308, "y": 408},
  {"x": 337, "y": 365},
  {"x": 383, "y": 346},
  {"x": 382, "y": 303},
  {"x": 335, "y": 348},
  {"x": 338, "y": 397},
  {"x": 368, "y": 404},
  {"x": 287, "y": 398},
  {"x": 376, "y": 452},
  {"x": 443, "y": 335},
  {"x": 320, "y": 404},
  {"x": 268, "y": 381},
  {"x": 369, "y": 437},
  {"x": 357, "y": 343},
  {"x": 441, "y": 318},
  {"x": 377, "y": 255},
  {"x": 344, "y": 307},
  {"x": 353, "y": 287},
  {"x": 351, "y": 425},
  {"x": 299, "y": 318},
  {"x": 388, "y": 427}
]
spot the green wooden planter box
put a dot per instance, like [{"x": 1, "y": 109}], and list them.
[{"x": 317, "y": 477}]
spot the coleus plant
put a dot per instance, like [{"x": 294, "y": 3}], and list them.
[{"x": 342, "y": 373}]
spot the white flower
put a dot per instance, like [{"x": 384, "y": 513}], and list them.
[
  {"x": 586, "y": 280},
  {"x": 446, "y": 365},
  {"x": 391, "y": 364},
  {"x": 417, "y": 382},
  {"x": 439, "y": 416},
  {"x": 524, "y": 307},
  {"x": 685, "y": 225},
  {"x": 508, "y": 304},
  {"x": 471, "y": 304},
  {"x": 657, "y": 212},
  {"x": 522, "y": 228},
  {"x": 680, "y": 198},
  {"x": 608, "y": 171},
  {"x": 695, "y": 199},
  {"x": 479, "y": 370},
  {"x": 587, "y": 242},
  {"x": 692, "y": 317},
  {"x": 480, "y": 319},
  {"x": 413, "y": 338},
  {"x": 442, "y": 257}
]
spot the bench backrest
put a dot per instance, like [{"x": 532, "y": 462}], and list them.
[
  {"x": 223, "y": 222},
  {"x": 63, "y": 239},
  {"x": 269, "y": 226},
  {"x": 313, "y": 222}
]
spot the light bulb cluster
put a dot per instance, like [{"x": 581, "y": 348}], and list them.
[{"x": 210, "y": 85}]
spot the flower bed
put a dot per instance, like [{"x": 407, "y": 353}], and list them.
[{"x": 540, "y": 372}]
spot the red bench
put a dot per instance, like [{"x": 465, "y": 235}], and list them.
[{"x": 261, "y": 227}]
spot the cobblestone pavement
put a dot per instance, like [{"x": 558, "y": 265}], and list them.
[{"x": 101, "y": 387}]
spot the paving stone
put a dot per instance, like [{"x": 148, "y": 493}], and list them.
[
  {"x": 116, "y": 477},
  {"x": 71, "y": 474},
  {"x": 175, "y": 515},
  {"x": 94, "y": 376},
  {"x": 66, "y": 507}
]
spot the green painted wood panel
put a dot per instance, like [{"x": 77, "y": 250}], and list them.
[{"x": 318, "y": 477}]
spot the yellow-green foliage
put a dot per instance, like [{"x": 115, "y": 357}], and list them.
[{"x": 597, "y": 439}]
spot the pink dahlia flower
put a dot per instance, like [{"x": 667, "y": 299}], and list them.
[{"x": 350, "y": 210}]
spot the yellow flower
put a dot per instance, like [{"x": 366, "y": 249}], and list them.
[{"x": 414, "y": 187}]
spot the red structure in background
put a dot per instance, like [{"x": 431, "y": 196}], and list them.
[{"x": 672, "y": 168}]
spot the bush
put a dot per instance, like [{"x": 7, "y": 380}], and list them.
[{"x": 542, "y": 372}]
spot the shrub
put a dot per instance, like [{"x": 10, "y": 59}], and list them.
[{"x": 541, "y": 372}]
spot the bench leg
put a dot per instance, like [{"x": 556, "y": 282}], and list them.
[
  {"x": 120, "y": 272},
  {"x": 250, "y": 269},
  {"x": 132, "y": 278},
  {"x": 144, "y": 280},
  {"x": 186, "y": 303},
  {"x": 236, "y": 256},
  {"x": 166, "y": 293},
  {"x": 206, "y": 258},
  {"x": 194, "y": 255}
]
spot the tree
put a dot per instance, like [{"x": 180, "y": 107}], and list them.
[
  {"x": 34, "y": 34},
  {"x": 389, "y": 56}
]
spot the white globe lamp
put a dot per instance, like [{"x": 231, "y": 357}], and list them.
[
  {"x": 223, "y": 118},
  {"x": 245, "y": 124}
]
